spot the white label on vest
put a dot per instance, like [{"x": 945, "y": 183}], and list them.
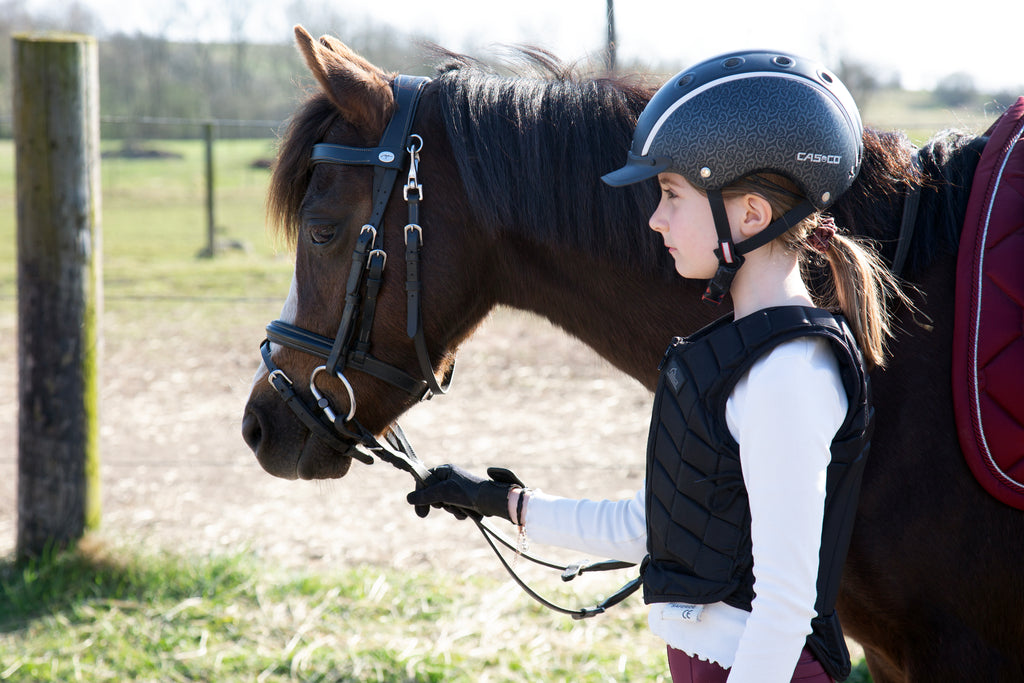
[{"x": 682, "y": 611}]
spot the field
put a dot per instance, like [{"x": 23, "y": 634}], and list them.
[{"x": 206, "y": 568}]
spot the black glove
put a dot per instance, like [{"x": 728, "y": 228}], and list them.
[{"x": 464, "y": 494}]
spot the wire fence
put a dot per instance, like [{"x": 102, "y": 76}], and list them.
[
  {"x": 168, "y": 127},
  {"x": 141, "y": 137}
]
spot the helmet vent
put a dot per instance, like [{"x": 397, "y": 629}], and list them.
[
  {"x": 783, "y": 61},
  {"x": 684, "y": 81},
  {"x": 826, "y": 76},
  {"x": 732, "y": 62}
]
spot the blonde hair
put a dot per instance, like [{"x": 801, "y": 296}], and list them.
[{"x": 861, "y": 286}]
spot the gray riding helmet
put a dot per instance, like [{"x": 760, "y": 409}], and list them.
[
  {"x": 749, "y": 112},
  {"x": 743, "y": 113}
]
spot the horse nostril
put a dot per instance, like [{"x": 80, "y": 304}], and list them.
[{"x": 252, "y": 431}]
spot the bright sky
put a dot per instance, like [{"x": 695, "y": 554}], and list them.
[{"x": 922, "y": 41}]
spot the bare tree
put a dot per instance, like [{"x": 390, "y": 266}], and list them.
[
  {"x": 859, "y": 78},
  {"x": 612, "y": 47},
  {"x": 956, "y": 90},
  {"x": 238, "y": 15}
]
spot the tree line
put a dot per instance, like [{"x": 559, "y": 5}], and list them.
[
  {"x": 150, "y": 76},
  {"x": 145, "y": 76}
]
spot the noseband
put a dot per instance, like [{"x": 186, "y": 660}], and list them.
[{"x": 350, "y": 348}]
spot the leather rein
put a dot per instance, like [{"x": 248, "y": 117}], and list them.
[{"x": 350, "y": 348}]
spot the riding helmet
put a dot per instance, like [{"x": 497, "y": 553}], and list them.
[
  {"x": 744, "y": 113},
  {"x": 749, "y": 112}
]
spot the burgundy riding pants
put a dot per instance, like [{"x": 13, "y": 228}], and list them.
[{"x": 687, "y": 669}]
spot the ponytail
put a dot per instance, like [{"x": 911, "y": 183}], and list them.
[{"x": 862, "y": 287}]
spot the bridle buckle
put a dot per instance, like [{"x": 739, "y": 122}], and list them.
[
  {"x": 413, "y": 227},
  {"x": 412, "y": 183}
]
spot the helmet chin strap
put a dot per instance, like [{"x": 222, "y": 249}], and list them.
[{"x": 730, "y": 255}]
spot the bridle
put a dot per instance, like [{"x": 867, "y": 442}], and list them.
[{"x": 350, "y": 348}]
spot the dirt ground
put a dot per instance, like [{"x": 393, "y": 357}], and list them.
[{"x": 177, "y": 475}]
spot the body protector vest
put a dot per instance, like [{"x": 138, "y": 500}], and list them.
[{"x": 698, "y": 516}]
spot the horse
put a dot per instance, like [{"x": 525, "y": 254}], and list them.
[{"x": 516, "y": 216}]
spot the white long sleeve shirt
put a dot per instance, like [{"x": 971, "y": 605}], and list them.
[{"x": 784, "y": 414}]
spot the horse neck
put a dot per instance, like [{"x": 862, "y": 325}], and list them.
[
  {"x": 529, "y": 154},
  {"x": 627, "y": 317}
]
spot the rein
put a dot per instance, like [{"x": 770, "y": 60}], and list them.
[{"x": 350, "y": 348}]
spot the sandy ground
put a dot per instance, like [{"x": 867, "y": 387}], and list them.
[{"x": 177, "y": 475}]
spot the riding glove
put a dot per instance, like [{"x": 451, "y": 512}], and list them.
[{"x": 463, "y": 494}]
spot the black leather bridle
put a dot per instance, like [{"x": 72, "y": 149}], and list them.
[{"x": 350, "y": 348}]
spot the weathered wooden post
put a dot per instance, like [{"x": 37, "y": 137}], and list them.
[
  {"x": 56, "y": 132},
  {"x": 211, "y": 230}
]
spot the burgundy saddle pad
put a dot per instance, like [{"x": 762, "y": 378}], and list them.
[{"x": 988, "y": 340}]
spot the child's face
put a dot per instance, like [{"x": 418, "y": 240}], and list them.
[{"x": 683, "y": 219}]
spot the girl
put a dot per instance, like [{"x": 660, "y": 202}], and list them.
[{"x": 761, "y": 421}]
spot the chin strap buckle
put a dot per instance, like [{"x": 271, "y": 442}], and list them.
[{"x": 729, "y": 262}]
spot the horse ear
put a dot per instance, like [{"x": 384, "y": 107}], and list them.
[{"x": 359, "y": 89}]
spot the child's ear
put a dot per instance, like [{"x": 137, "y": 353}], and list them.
[{"x": 755, "y": 215}]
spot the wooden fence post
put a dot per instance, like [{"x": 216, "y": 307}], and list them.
[
  {"x": 60, "y": 297},
  {"x": 211, "y": 230}
]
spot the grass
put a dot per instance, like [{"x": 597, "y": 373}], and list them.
[
  {"x": 154, "y": 224},
  {"x": 103, "y": 613},
  {"x": 99, "y": 614},
  {"x": 917, "y": 114}
]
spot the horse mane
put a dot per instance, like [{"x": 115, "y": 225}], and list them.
[
  {"x": 872, "y": 207},
  {"x": 570, "y": 129},
  {"x": 948, "y": 162},
  {"x": 540, "y": 176}
]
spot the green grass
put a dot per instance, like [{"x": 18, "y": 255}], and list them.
[
  {"x": 96, "y": 615},
  {"x": 155, "y": 226},
  {"x": 917, "y": 114},
  {"x": 113, "y": 614},
  {"x": 154, "y": 223}
]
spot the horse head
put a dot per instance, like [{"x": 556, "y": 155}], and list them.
[{"x": 345, "y": 353}]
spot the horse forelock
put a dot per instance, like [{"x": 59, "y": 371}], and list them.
[{"x": 292, "y": 168}]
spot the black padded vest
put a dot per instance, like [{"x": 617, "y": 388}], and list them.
[{"x": 698, "y": 517}]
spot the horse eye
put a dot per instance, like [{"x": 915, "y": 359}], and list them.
[{"x": 321, "y": 234}]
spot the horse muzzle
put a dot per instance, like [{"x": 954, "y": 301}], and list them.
[{"x": 285, "y": 448}]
